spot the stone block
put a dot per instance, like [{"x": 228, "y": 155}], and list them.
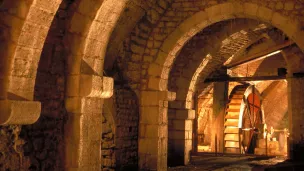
[
  {"x": 172, "y": 40},
  {"x": 213, "y": 12},
  {"x": 182, "y": 125},
  {"x": 150, "y": 115},
  {"x": 154, "y": 83},
  {"x": 19, "y": 112},
  {"x": 149, "y": 98},
  {"x": 108, "y": 87},
  {"x": 22, "y": 87},
  {"x": 90, "y": 85},
  {"x": 155, "y": 69},
  {"x": 251, "y": 9},
  {"x": 77, "y": 105},
  {"x": 196, "y": 19},
  {"x": 177, "y": 134},
  {"x": 185, "y": 114},
  {"x": 148, "y": 146},
  {"x": 227, "y": 9},
  {"x": 265, "y": 14}
]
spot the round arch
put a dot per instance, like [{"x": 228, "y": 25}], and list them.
[
  {"x": 206, "y": 59},
  {"x": 209, "y": 16},
  {"x": 24, "y": 31}
]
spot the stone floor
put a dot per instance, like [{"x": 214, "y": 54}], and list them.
[{"x": 229, "y": 163}]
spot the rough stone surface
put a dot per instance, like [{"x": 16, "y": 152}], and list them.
[
  {"x": 54, "y": 52},
  {"x": 119, "y": 144}
]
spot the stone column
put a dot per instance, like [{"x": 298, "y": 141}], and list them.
[
  {"x": 153, "y": 130},
  {"x": 295, "y": 63},
  {"x": 83, "y": 128},
  {"x": 296, "y": 118},
  {"x": 180, "y": 136},
  {"x": 220, "y": 97}
]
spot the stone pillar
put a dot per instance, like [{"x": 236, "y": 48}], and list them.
[
  {"x": 153, "y": 130},
  {"x": 295, "y": 62},
  {"x": 180, "y": 136},
  {"x": 296, "y": 118},
  {"x": 220, "y": 97},
  {"x": 83, "y": 128}
]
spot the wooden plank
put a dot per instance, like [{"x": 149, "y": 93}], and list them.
[
  {"x": 261, "y": 54},
  {"x": 243, "y": 79}
]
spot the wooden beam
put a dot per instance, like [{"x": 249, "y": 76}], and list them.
[
  {"x": 243, "y": 79},
  {"x": 261, "y": 54}
]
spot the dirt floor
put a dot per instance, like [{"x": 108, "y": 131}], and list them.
[{"x": 229, "y": 163}]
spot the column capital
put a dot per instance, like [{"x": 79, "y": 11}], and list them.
[
  {"x": 19, "y": 112},
  {"x": 85, "y": 85}
]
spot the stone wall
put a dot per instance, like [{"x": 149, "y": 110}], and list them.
[
  {"x": 120, "y": 130},
  {"x": 11, "y": 152},
  {"x": 127, "y": 118},
  {"x": 108, "y": 136}
]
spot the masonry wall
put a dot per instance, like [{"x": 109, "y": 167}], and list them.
[
  {"x": 108, "y": 136},
  {"x": 120, "y": 131},
  {"x": 40, "y": 146},
  {"x": 127, "y": 118},
  {"x": 11, "y": 149}
]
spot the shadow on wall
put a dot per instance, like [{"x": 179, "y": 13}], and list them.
[{"x": 120, "y": 127}]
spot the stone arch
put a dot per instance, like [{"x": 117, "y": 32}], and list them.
[
  {"x": 23, "y": 32},
  {"x": 175, "y": 41},
  {"x": 86, "y": 86},
  {"x": 200, "y": 64},
  {"x": 212, "y": 55}
]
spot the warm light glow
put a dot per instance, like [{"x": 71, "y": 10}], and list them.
[
  {"x": 263, "y": 57},
  {"x": 194, "y": 79}
]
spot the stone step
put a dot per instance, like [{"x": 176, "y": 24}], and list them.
[
  {"x": 231, "y": 130},
  {"x": 233, "y": 144},
  {"x": 232, "y": 122},
  {"x": 231, "y": 137}
]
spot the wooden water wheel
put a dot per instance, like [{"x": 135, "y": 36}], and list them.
[{"x": 243, "y": 117}]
